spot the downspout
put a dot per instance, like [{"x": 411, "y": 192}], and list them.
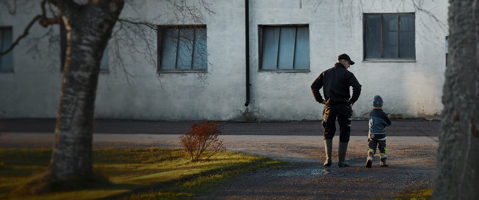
[{"x": 247, "y": 52}]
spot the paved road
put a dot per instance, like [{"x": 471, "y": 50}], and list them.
[{"x": 311, "y": 128}]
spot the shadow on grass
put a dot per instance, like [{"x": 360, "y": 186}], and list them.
[
  {"x": 25, "y": 157},
  {"x": 120, "y": 187},
  {"x": 16, "y": 171},
  {"x": 129, "y": 170},
  {"x": 197, "y": 183},
  {"x": 144, "y": 156}
]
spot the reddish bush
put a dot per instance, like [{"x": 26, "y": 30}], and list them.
[{"x": 201, "y": 137}]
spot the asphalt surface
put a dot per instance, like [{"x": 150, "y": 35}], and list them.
[{"x": 428, "y": 128}]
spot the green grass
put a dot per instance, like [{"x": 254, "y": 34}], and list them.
[
  {"x": 151, "y": 173},
  {"x": 416, "y": 194}
]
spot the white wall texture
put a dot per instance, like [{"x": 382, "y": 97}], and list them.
[{"x": 413, "y": 89}]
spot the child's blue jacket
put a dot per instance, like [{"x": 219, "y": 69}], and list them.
[{"x": 378, "y": 120}]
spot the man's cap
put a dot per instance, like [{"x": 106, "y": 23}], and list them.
[
  {"x": 345, "y": 57},
  {"x": 378, "y": 101}
]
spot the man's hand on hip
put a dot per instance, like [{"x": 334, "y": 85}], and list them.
[{"x": 350, "y": 102}]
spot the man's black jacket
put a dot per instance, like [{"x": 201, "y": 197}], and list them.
[{"x": 335, "y": 82}]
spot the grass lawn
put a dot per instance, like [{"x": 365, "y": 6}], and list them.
[
  {"x": 150, "y": 173},
  {"x": 417, "y": 194}
]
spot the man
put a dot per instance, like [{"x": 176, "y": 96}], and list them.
[{"x": 337, "y": 103}]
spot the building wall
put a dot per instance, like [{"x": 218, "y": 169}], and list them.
[
  {"x": 412, "y": 89},
  {"x": 33, "y": 89}
]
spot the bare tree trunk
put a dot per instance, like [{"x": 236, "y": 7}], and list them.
[
  {"x": 88, "y": 29},
  {"x": 457, "y": 175}
]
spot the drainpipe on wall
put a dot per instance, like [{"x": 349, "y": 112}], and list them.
[{"x": 247, "y": 52}]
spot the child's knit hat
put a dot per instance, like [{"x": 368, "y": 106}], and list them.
[{"x": 378, "y": 101}]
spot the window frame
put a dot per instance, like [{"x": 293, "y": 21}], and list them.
[
  {"x": 382, "y": 59},
  {"x": 160, "y": 32},
  {"x": 2, "y": 28},
  {"x": 261, "y": 44}
]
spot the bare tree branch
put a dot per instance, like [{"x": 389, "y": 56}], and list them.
[
  {"x": 149, "y": 25},
  {"x": 66, "y": 7},
  {"x": 439, "y": 22},
  {"x": 43, "y": 20},
  {"x": 48, "y": 21},
  {"x": 25, "y": 33},
  {"x": 11, "y": 11}
]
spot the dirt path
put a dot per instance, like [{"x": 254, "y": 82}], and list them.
[
  {"x": 412, "y": 166},
  {"x": 411, "y": 159}
]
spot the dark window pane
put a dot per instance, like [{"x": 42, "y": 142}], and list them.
[
  {"x": 63, "y": 46},
  {"x": 407, "y": 37},
  {"x": 201, "y": 55},
  {"x": 390, "y": 34},
  {"x": 185, "y": 48},
  {"x": 373, "y": 36},
  {"x": 286, "y": 47},
  {"x": 6, "y": 61},
  {"x": 301, "y": 59},
  {"x": 104, "y": 60},
  {"x": 169, "y": 46},
  {"x": 1, "y": 47},
  {"x": 270, "y": 47}
]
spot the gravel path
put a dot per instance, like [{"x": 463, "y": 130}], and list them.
[{"x": 412, "y": 166}]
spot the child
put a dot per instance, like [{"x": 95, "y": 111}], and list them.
[{"x": 378, "y": 120}]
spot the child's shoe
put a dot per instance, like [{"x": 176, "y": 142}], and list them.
[
  {"x": 383, "y": 163},
  {"x": 369, "y": 162}
]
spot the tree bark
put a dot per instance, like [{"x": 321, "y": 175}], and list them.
[
  {"x": 88, "y": 29},
  {"x": 457, "y": 175}
]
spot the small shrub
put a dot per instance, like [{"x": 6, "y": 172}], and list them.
[{"x": 202, "y": 136}]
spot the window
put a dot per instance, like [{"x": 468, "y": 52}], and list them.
[
  {"x": 104, "y": 60},
  {"x": 6, "y": 39},
  {"x": 182, "y": 48},
  {"x": 284, "y": 47},
  {"x": 63, "y": 48},
  {"x": 389, "y": 36}
]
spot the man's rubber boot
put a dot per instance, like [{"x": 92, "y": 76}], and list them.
[
  {"x": 383, "y": 163},
  {"x": 369, "y": 162},
  {"x": 342, "y": 149},
  {"x": 328, "y": 148}
]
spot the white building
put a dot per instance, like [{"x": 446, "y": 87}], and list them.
[{"x": 398, "y": 47}]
